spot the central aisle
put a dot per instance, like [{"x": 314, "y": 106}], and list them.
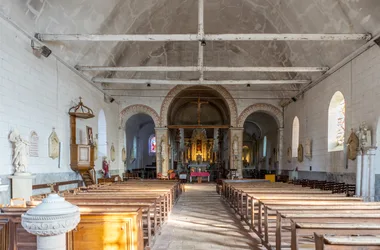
[{"x": 202, "y": 220}]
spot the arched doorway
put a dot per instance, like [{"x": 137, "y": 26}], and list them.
[
  {"x": 198, "y": 121},
  {"x": 140, "y": 145},
  {"x": 262, "y": 146}
]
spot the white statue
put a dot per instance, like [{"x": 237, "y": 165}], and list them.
[{"x": 21, "y": 151}]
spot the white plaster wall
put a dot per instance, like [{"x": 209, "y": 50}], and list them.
[
  {"x": 359, "y": 81},
  {"x": 36, "y": 94}
]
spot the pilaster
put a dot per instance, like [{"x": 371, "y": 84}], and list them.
[
  {"x": 236, "y": 150},
  {"x": 162, "y": 155}
]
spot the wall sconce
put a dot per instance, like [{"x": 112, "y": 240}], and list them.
[{"x": 40, "y": 50}]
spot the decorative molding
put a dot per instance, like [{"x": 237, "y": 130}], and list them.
[
  {"x": 263, "y": 107},
  {"x": 129, "y": 111},
  {"x": 176, "y": 90},
  {"x": 50, "y": 225},
  {"x": 54, "y": 216}
]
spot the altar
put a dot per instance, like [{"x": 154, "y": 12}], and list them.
[
  {"x": 200, "y": 175},
  {"x": 202, "y": 167}
]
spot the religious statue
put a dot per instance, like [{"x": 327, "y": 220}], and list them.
[
  {"x": 308, "y": 148},
  {"x": 289, "y": 154},
  {"x": 300, "y": 153},
  {"x": 20, "y": 154},
  {"x": 163, "y": 149},
  {"x": 352, "y": 146},
  {"x": 364, "y": 136},
  {"x": 235, "y": 146},
  {"x": 106, "y": 168},
  {"x": 123, "y": 155},
  {"x": 53, "y": 145}
]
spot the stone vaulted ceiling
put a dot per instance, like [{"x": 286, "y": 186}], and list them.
[{"x": 181, "y": 16}]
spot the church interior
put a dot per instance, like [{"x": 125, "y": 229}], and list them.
[{"x": 190, "y": 124}]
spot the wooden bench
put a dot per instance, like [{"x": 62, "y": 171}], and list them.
[
  {"x": 264, "y": 205},
  {"x": 308, "y": 229},
  {"x": 323, "y": 242},
  {"x": 320, "y": 218},
  {"x": 96, "y": 230}
]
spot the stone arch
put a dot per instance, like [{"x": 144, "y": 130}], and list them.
[
  {"x": 129, "y": 111},
  {"x": 263, "y": 107},
  {"x": 177, "y": 89}
]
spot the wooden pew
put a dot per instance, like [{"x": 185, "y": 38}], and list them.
[
  {"x": 96, "y": 230},
  {"x": 320, "y": 218},
  {"x": 308, "y": 229},
  {"x": 252, "y": 199},
  {"x": 334, "y": 208},
  {"x": 323, "y": 242}
]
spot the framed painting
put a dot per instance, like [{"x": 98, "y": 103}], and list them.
[{"x": 90, "y": 135}]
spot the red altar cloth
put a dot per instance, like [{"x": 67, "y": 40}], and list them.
[{"x": 201, "y": 174}]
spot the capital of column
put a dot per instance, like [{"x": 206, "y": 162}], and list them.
[
  {"x": 280, "y": 129},
  {"x": 236, "y": 129},
  {"x": 54, "y": 216},
  {"x": 161, "y": 129},
  {"x": 369, "y": 150}
]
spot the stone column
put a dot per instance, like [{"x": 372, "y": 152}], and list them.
[
  {"x": 280, "y": 148},
  {"x": 365, "y": 175},
  {"x": 359, "y": 165},
  {"x": 371, "y": 177},
  {"x": 50, "y": 221},
  {"x": 236, "y": 160},
  {"x": 162, "y": 156}
]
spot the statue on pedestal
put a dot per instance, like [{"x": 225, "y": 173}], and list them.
[
  {"x": 21, "y": 151},
  {"x": 106, "y": 168}
]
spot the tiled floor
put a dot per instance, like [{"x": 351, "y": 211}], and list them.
[{"x": 202, "y": 220}]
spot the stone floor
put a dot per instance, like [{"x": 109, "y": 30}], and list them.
[{"x": 201, "y": 219}]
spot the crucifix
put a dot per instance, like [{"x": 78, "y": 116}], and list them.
[{"x": 199, "y": 104}]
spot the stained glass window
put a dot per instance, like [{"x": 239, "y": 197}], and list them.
[
  {"x": 295, "y": 136},
  {"x": 336, "y": 122},
  {"x": 152, "y": 144},
  {"x": 341, "y": 117}
]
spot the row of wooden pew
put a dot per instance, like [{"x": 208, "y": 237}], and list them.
[
  {"x": 288, "y": 216},
  {"x": 126, "y": 215},
  {"x": 334, "y": 187}
]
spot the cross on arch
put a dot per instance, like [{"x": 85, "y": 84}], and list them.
[{"x": 199, "y": 104}]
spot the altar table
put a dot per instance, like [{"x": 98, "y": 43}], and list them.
[{"x": 200, "y": 174}]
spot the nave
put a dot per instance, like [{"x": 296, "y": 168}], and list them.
[{"x": 201, "y": 219}]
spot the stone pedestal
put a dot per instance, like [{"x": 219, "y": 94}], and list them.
[
  {"x": 22, "y": 185},
  {"x": 50, "y": 221}
]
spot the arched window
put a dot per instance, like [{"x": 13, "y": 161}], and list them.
[
  {"x": 265, "y": 146},
  {"x": 152, "y": 144},
  {"x": 102, "y": 134},
  {"x": 295, "y": 136},
  {"x": 336, "y": 122}
]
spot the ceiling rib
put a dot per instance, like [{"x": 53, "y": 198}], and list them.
[
  {"x": 196, "y": 82},
  {"x": 197, "y": 37},
  {"x": 205, "y": 69}
]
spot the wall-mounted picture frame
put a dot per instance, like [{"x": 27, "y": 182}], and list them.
[{"x": 90, "y": 136}]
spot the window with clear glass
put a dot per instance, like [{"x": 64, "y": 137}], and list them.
[{"x": 336, "y": 122}]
